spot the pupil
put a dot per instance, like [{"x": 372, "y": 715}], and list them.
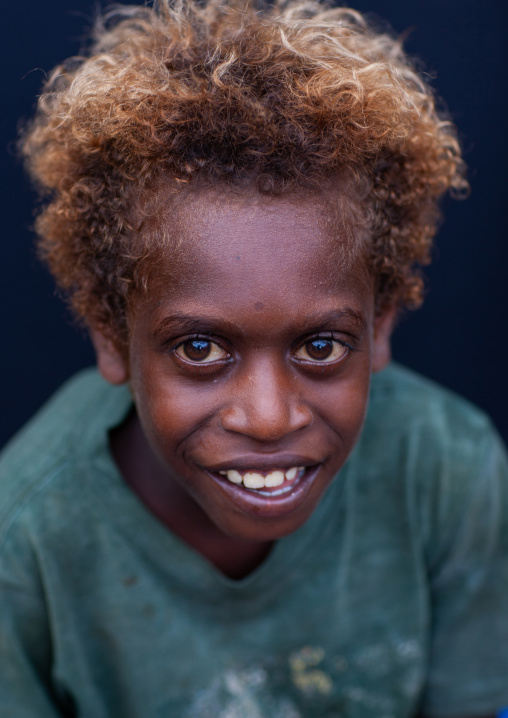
[
  {"x": 319, "y": 348},
  {"x": 197, "y": 349}
]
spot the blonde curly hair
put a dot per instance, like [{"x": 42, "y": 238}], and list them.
[{"x": 283, "y": 96}]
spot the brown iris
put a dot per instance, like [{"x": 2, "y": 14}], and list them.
[
  {"x": 319, "y": 349},
  {"x": 197, "y": 349}
]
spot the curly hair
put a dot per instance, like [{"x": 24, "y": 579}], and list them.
[{"x": 283, "y": 96}]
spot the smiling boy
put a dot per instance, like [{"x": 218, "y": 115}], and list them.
[{"x": 253, "y": 515}]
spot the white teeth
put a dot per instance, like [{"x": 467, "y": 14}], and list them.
[
  {"x": 274, "y": 478},
  {"x": 234, "y": 476},
  {"x": 253, "y": 480}
]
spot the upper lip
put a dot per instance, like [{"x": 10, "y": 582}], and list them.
[{"x": 265, "y": 462}]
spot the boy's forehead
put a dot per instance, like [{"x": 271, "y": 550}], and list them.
[{"x": 213, "y": 234}]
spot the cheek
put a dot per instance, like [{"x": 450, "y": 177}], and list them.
[
  {"x": 344, "y": 407},
  {"x": 169, "y": 409}
]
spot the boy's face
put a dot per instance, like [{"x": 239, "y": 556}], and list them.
[{"x": 250, "y": 358}]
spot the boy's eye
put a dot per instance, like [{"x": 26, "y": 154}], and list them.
[
  {"x": 321, "y": 350},
  {"x": 203, "y": 351}
]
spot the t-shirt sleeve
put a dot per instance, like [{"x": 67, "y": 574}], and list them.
[
  {"x": 468, "y": 668},
  {"x": 25, "y": 646}
]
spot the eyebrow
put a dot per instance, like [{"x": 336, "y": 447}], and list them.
[
  {"x": 321, "y": 320},
  {"x": 189, "y": 324},
  {"x": 314, "y": 322}
]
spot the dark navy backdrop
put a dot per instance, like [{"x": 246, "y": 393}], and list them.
[{"x": 459, "y": 338}]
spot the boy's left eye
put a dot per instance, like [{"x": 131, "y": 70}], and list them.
[
  {"x": 202, "y": 351},
  {"x": 321, "y": 350}
]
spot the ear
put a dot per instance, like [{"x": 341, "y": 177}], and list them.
[
  {"x": 381, "y": 347},
  {"x": 111, "y": 362}
]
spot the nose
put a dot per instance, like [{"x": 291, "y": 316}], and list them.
[{"x": 265, "y": 403}]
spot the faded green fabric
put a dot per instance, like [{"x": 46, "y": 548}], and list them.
[{"x": 392, "y": 598}]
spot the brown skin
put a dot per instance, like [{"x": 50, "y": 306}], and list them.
[{"x": 256, "y": 284}]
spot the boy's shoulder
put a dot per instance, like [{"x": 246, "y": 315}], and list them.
[
  {"x": 428, "y": 436},
  {"x": 413, "y": 403},
  {"x": 434, "y": 453},
  {"x": 50, "y": 446}
]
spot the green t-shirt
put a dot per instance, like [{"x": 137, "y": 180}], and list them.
[{"x": 392, "y": 598}]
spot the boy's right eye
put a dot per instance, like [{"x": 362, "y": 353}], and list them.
[{"x": 201, "y": 351}]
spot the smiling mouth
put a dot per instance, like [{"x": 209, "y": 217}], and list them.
[{"x": 274, "y": 482}]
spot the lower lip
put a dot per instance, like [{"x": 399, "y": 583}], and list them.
[{"x": 282, "y": 500}]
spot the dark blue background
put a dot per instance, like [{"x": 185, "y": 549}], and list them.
[{"x": 459, "y": 338}]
